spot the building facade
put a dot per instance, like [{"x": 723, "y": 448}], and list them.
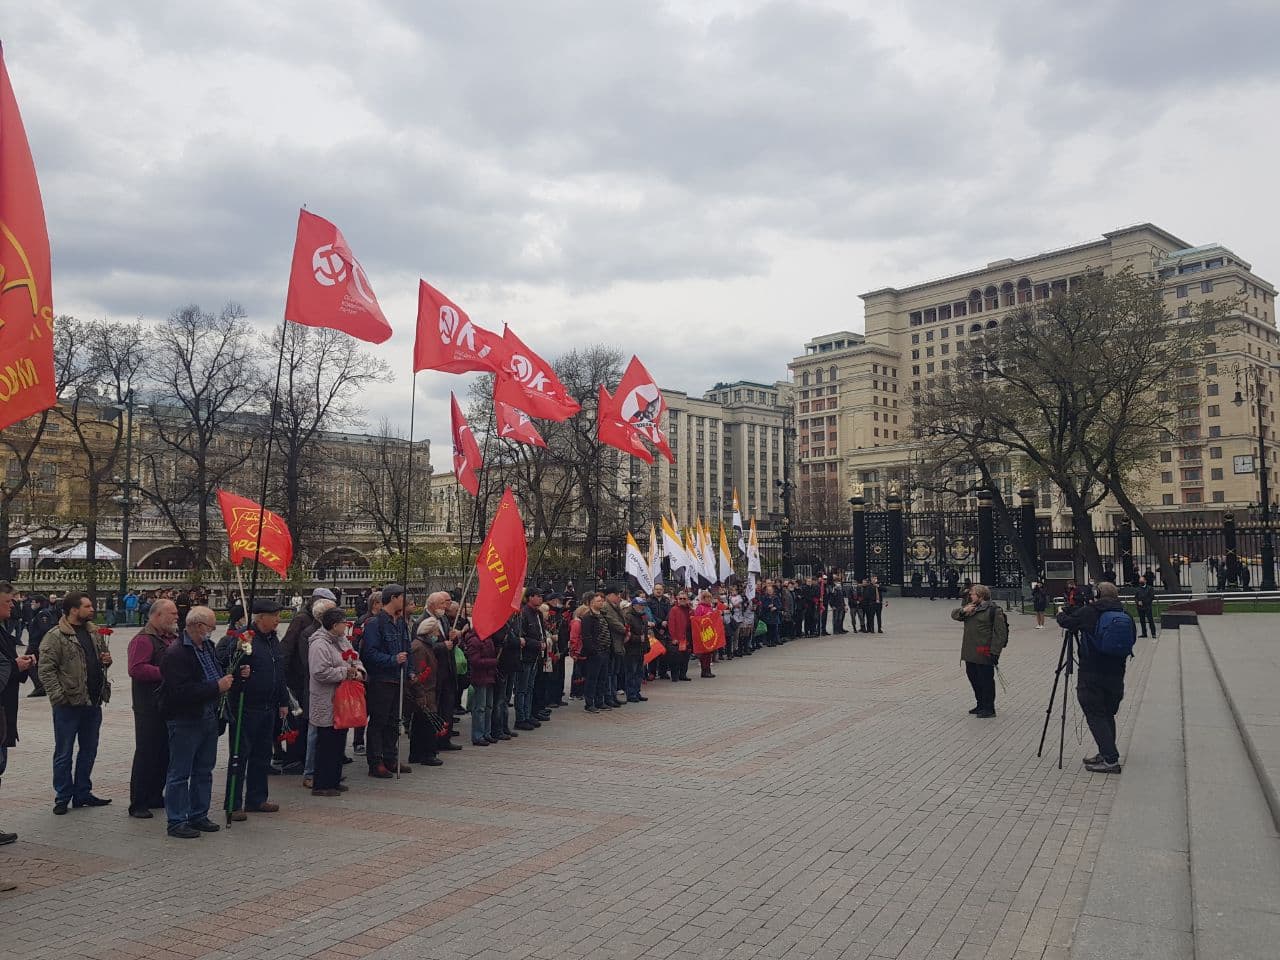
[{"x": 853, "y": 391}]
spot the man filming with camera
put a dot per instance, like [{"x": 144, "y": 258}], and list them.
[{"x": 1106, "y": 638}]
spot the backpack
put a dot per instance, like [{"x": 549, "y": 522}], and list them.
[{"x": 1115, "y": 634}]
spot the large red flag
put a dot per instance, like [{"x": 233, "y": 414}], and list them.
[
  {"x": 641, "y": 405},
  {"x": 466, "y": 452},
  {"x": 501, "y": 565},
  {"x": 248, "y": 532},
  {"x": 611, "y": 430},
  {"x": 447, "y": 340},
  {"x": 515, "y": 425},
  {"x": 327, "y": 285},
  {"x": 708, "y": 633},
  {"x": 527, "y": 381},
  {"x": 26, "y": 287}
]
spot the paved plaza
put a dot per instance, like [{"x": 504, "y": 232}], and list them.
[{"x": 831, "y": 798}]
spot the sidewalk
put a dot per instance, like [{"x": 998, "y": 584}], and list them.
[{"x": 831, "y": 798}]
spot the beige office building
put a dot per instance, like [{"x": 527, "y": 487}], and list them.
[{"x": 853, "y": 390}]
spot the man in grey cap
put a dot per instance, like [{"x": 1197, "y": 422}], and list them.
[{"x": 384, "y": 650}]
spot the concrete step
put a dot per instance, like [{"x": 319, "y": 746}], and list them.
[
  {"x": 1139, "y": 903},
  {"x": 1234, "y": 847}
]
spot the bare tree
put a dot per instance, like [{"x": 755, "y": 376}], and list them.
[
  {"x": 1071, "y": 386},
  {"x": 108, "y": 359},
  {"x": 20, "y": 489},
  {"x": 381, "y": 488},
  {"x": 324, "y": 375},
  {"x": 206, "y": 379}
]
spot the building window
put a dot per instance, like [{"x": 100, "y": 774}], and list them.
[
  {"x": 1206, "y": 286},
  {"x": 1182, "y": 290},
  {"x": 1215, "y": 431},
  {"x": 1215, "y": 453},
  {"x": 1192, "y": 473},
  {"x": 1211, "y": 389},
  {"x": 1215, "y": 473},
  {"x": 1211, "y": 369},
  {"x": 1219, "y": 496},
  {"x": 1166, "y": 499},
  {"x": 1215, "y": 410},
  {"x": 1193, "y": 496},
  {"x": 1166, "y": 476},
  {"x": 1166, "y": 456},
  {"x": 1184, "y": 312}
]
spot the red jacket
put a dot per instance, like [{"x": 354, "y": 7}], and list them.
[{"x": 680, "y": 628}]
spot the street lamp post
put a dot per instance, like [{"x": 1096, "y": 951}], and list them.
[
  {"x": 126, "y": 497},
  {"x": 786, "y": 488},
  {"x": 1255, "y": 387}
]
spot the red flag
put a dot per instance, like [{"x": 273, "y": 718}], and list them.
[
  {"x": 501, "y": 565},
  {"x": 327, "y": 285},
  {"x": 527, "y": 381},
  {"x": 611, "y": 430},
  {"x": 447, "y": 340},
  {"x": 248, "y": 533},
  {"x": 26, "y": 287},
  {"x": 515, "y": 425},
  {"x": 708, "y": 633},
  {"x": 466, "y": 452},
  {"x": 656, "y": 650},
  {"x": 641, "y": 405}
]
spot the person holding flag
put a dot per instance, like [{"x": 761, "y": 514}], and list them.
[{"x": 680, "y": 630}]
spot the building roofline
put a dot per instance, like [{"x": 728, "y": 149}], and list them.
[{"x": 1011, "y": 262}]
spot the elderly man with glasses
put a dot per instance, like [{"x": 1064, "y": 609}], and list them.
[{"x": 193, "y": 685}]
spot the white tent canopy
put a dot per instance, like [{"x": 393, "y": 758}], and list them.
[
  {"x": 81, "y": 551},
  {"x": 24, "y": 552}
]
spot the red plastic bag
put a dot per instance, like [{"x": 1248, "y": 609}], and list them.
[{"x": 349, "y": 709}]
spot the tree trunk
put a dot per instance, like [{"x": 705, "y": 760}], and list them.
[
  {"x": 10, "y": 570},
  {"x": 202, "y": 518},
  {"x": 1087, "y": 542},
  {"x": 1168, "y": 570},
  {"x": 1005, "y": 519},
  {"x": 91, "y": 540}
]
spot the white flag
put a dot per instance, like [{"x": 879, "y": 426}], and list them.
[
  {"x": 753, "y": 550},
  {"x": 751, "y": 586},
  {"x": 726, "y": 561},
  {"x": 637, "y": 566},
  {"x": 655, "y": 556},
  {"x": 672, "y": 548},
  {"x": 737, "y": 523}
]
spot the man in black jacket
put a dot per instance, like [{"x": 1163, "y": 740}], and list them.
[
  {"x": 1100, "y": 683},
  {"x": 532, "y": 645},
  {"x": 194, "y": 682},
  {"x": 266, "y": 700},
  {"x": 1144, "y": 596},
  {"x": 836, "y": 600},
  {"x": 507, "y": 643}
]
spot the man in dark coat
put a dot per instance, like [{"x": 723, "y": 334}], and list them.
[
  {"x": 1144, "y": 597},
  {"x": 836, "y": 600},
  {"x": 266, "y": 701},
  {"x": 532, "y": 646},
  {"x": 660, "y": 607},
  {"x": 384, "y": 649},
  {"x": 507, "y": 643},
  {"x": 636, "y": 645},
  {"x": 13, "y": 671},
  {"x": 42, "y": 620},
  {"x": 1100, "y": 682}
]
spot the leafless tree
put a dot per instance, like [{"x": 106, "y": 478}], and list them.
[
  {"x": 380, "y": 479},
  {"x": 324, "y": 375},
  {"x": 205, "y": 380}
]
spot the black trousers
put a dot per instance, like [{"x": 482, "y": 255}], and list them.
[
  {"x": 150, "y": 760},
  {"x": 837, "y": 619},
  {"x": 1100, "y": 698},
  {"x": 331, "y": 744},
  {"x": 982, "y": 677},
  {"x": 678, "y": 663},
  {"x": 876, "y": 617},
  {"x": 1146, "y": 622},
  {"x": 382, "y": 734}
]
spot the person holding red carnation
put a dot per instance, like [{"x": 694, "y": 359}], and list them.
[{"x": 331, "y": 660}]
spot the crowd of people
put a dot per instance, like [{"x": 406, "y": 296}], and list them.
[{"x": 274, "y": 697}]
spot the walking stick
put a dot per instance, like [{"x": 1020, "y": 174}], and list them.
[
  {"x": 399, "y": 720},
  {"x": 233, "y": 765}
]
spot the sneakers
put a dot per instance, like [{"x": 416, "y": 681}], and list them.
[
  {"x": 1104, "y": 766},
  {"x": 1096, "y": 758},
  {"x": 184, "y": 831},
  {"x": 358, "y": 749},
  {"x": 7, "y": 838},
  {"x": 204, "y": 826}
]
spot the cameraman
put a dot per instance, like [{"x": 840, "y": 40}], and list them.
[{"x": 1100, "y": 684}]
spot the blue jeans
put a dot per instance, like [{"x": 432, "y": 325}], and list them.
[
  {"x": 632, "y": 672},
  {"x": 255, "y": 756},
  {"x": 193, "y": 751},
  {"x": 500, "y": 717},
  {"x": 524, "y": 691},
  {"x": 481, "y": 711},
  {"x": 72, "y": 724}
]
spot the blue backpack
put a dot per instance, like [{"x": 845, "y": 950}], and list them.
[{"x": 1115, "y": 634}]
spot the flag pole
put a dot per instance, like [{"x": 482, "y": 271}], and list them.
[
  {"x": 408, "y": 484},
  {"x": 266, "y": 471}
]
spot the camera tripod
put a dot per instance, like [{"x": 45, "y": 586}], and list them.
[{"x": 1066, "y": 666}]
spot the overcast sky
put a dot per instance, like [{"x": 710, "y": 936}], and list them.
[{"x": 706, "y": 184}]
